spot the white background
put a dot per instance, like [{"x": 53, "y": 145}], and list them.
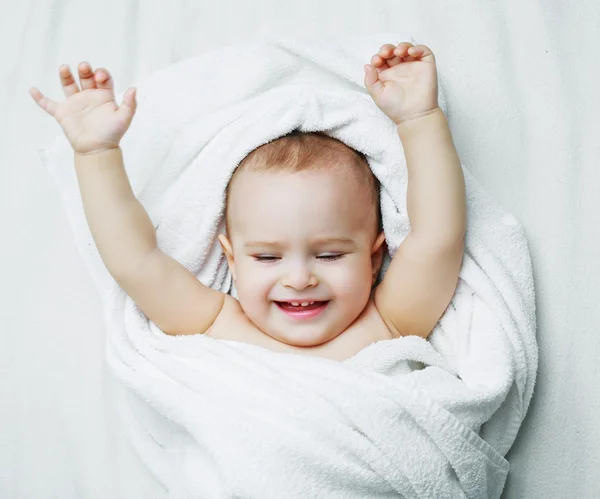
[{"x": 521, "y": 78}]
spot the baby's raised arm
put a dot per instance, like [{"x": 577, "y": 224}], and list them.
[
  {"x": 165, "y": 290},
  {"x": 423, "y": 275}
]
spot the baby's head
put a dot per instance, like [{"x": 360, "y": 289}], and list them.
[{"x": 303, "y": 225}]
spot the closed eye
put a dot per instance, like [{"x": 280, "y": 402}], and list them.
[
  {"x": 330, "y": 258},
  {"x": 265, "y": 258},
  {"x": 270, "y": 258}
]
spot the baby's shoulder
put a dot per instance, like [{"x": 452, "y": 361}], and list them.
[
  {"x": 232, "y": 323},
  {"x": 371, "y": 323}
]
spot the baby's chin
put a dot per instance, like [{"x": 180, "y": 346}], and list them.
[
  {"x": 303, "y": 340},
  {"x": 298, "y": 327},
  {"x": 304, "y": 335}
]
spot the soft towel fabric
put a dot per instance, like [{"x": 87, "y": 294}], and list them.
[{"x": 212, "y": 418}]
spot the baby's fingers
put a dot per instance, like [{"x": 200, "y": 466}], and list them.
[
  {"x": 67, "y": 81},
  {"x": 419, "y": 52},
  {"x": 46, "y": 104},
  {"x": 86, "y": 76},
  {"x": 104, "y": 78}
]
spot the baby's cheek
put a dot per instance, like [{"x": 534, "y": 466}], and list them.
[
  {"x": 252, "y": 295},
  {"x": 351, "y": 279},
  {"x": 253, "y": 283}
]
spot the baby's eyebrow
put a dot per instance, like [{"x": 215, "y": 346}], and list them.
[
  {"x": 335, "y": 240},
  {"x": 262, "y": 244},
  {"x": 317, "y": 242}
]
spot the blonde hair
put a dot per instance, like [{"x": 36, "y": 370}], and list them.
[{"x": 298, "y": 151}]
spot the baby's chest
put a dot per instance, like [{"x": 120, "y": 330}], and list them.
[{"x": 232, "y": 324}]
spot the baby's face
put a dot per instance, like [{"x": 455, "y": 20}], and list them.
[{"x": 302, "y": 237}]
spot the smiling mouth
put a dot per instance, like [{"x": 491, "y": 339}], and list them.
[
  {"x": 300, "y": 312},
  {"x": 294, "y": 308}
]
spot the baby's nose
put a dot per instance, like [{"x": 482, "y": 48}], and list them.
[{"x": 299, "y": 277}]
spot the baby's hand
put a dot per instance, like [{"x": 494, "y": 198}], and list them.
[
  {"x": 90, "y": 118},
  {"x": 402, "y": 81}
]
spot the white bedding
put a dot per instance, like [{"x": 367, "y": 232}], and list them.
[{"x": 521, "y": 83}]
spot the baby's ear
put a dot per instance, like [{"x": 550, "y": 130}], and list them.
[
  {"x": 377, "y": 254},
  {"x": 228, "y": 250}
]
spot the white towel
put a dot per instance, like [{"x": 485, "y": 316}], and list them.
[{"x": 216, "y": 419}]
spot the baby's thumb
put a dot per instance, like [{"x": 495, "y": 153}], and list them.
[
  {"x": 129, "y": 105},
  {"x": 372, "y": 81}
]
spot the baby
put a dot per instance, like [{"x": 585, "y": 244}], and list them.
[{"x": 303, "y": 240}]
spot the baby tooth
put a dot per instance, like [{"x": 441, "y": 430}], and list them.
[
  {"x": 295, "y": 303},
  {"x": 304, "y": 303}
]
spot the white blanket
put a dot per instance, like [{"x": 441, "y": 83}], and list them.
[{"x": 219, "y": 419}]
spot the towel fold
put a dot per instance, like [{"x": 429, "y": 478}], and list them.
[{"x": 214, "y": 418}]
